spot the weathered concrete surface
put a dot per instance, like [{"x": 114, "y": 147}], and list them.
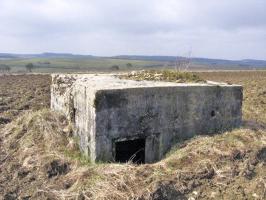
[{"x": 105, "y": 109}]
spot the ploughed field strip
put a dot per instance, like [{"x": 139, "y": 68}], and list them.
[
  {"x": 112, "y": 114},
  {"x": 19, "y": 93}
]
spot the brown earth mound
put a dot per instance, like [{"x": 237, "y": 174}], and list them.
[{"x": 41, "y": 162}]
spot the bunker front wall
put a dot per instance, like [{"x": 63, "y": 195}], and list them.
[{"x": 162, "y": 116}]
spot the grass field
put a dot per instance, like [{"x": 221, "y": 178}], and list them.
[
  {"x": 48, "y": 65},
  {"x": 96, "y": 64},
  {"x": 39, "y": 158}
]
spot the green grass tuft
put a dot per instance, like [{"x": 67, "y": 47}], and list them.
[{"x": 164, "y": 75}]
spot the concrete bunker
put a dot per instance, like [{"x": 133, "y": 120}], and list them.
[{"x": 118, "y": 120}]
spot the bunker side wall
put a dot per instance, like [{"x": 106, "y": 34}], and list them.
[
  {"x": 75, "y": 101},
  {"x": 84, "y": 119},
  {"x": 163, "y": 115},
  {"x": 61, "y": 97}
]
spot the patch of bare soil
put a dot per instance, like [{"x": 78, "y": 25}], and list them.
[
  {"x": 40, "y": 160},
  {"x": 21, "y": 93}
]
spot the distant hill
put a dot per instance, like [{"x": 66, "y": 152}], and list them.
[
  {"x": 155, "y": 61},
  {"x": 202, "y": 61},
  {"x": 63, "y": 55},
  {"x": 7, "y": 56},
  {"x": 149, "y": 58},
  {"x": 42, "y": 55}
]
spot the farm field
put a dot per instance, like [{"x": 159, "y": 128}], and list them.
[
  {"x": 39, "y": 158},
  {"x": 106, "y": 64},
  {"x": 51, "y": 65}
]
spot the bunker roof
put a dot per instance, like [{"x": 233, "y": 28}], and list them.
[{"x": 112, "y": 81}]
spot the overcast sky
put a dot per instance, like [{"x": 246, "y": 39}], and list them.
[{"x": 232, "y": 29}]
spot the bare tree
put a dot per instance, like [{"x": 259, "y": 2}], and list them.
[
  {"x": 29, "y": 67},
  {"x": 183, "y": 63},
  {"x": 129, "y": 65}
]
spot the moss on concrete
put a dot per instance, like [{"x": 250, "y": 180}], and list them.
[{"x": 163, "y": 75}]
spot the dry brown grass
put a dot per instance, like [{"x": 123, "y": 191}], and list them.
[{"x": 41, "y": 160}]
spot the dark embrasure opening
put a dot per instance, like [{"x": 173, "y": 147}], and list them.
[
  {"x": 213, "y": 113},
  {"x": 130, "y": 150}
]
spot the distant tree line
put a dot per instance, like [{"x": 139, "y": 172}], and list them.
[
  {"x": 44, "y": 63},
  {"x": 114, "y": 68},
  {"x": 4, "y": 68},
  {"x": 129, "y": 65}
]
